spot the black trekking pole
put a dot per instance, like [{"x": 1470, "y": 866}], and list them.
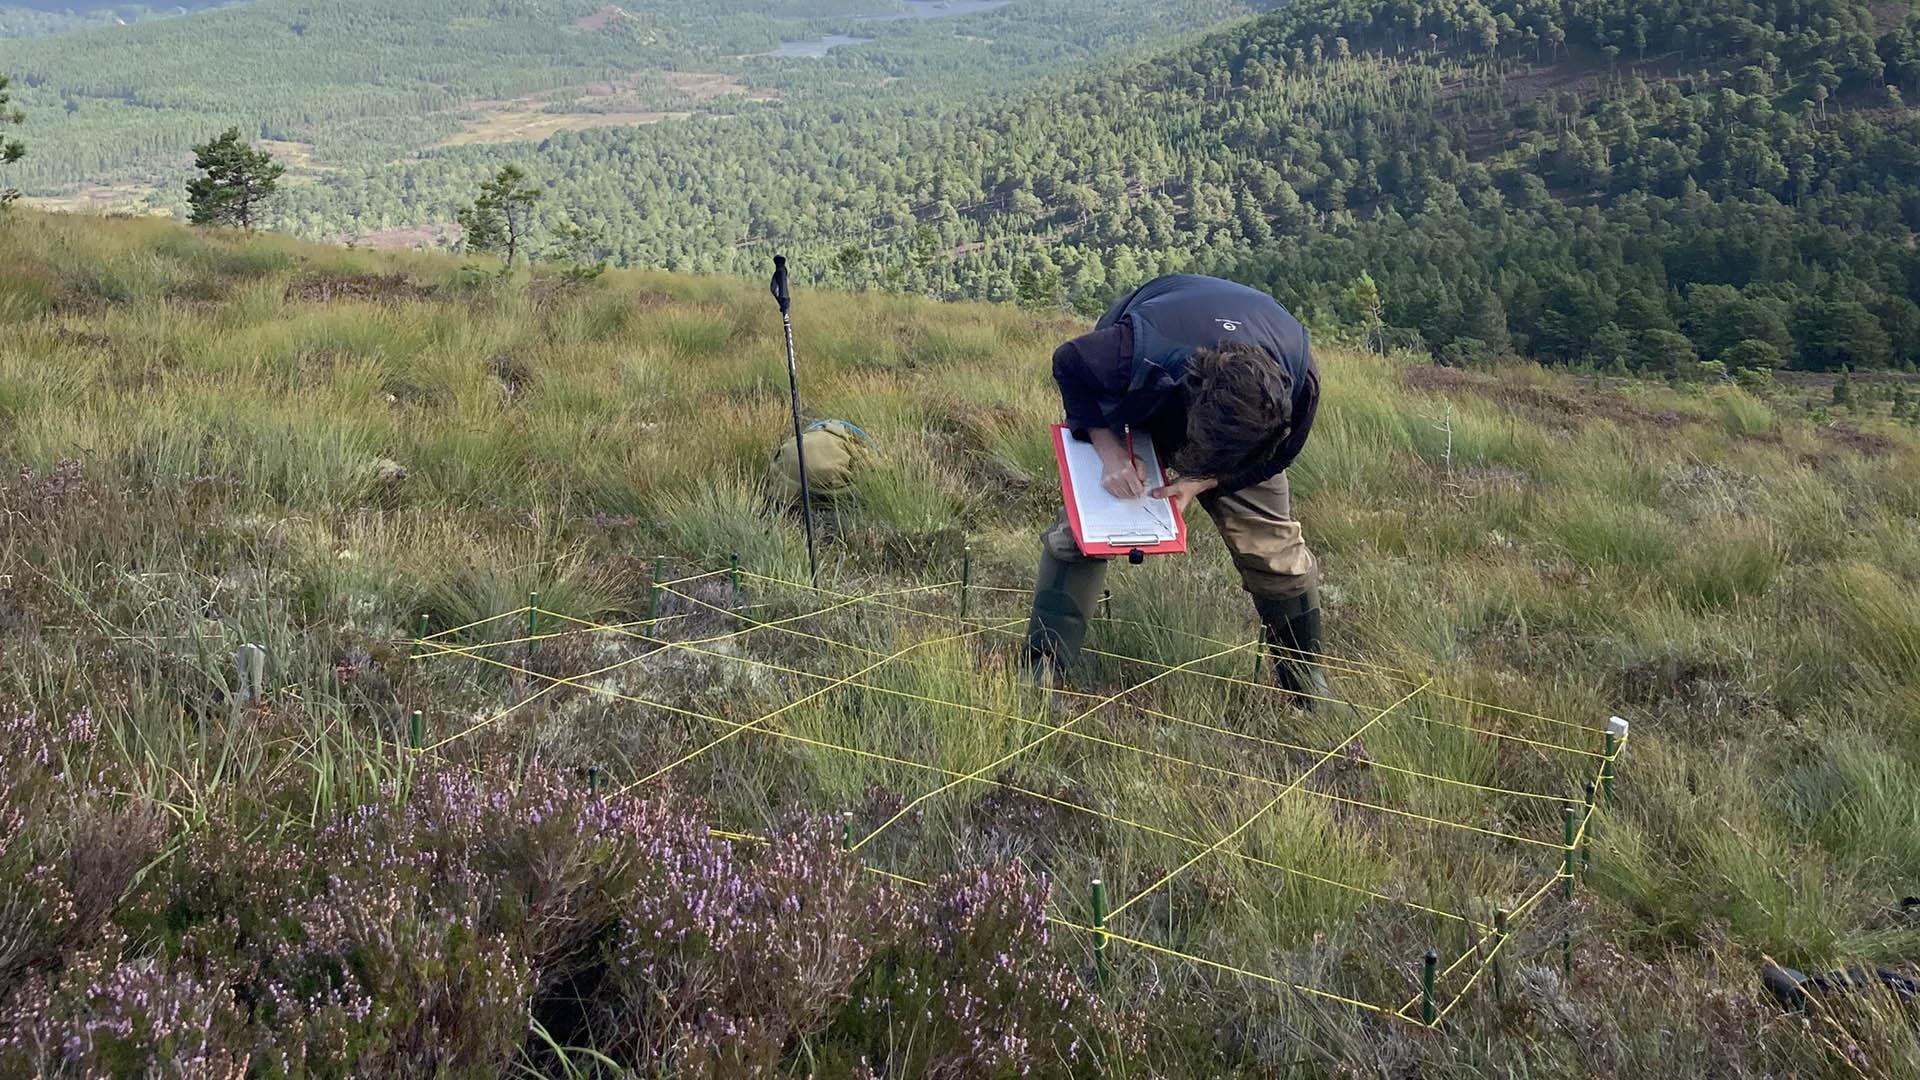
[{"x": 785, "y": 299}]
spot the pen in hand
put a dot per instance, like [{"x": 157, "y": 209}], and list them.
[
  {"x": 1134, "y": 461},
  {"x": 1147, "y": 498}
]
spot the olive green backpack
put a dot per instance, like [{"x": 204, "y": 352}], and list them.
[{"x": 835, "y": 452}]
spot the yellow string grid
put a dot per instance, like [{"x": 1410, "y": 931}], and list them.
[{"x": 904, "y": 687}]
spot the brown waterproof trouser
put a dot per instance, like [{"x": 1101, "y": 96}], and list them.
[{"x": 1258, "y": 527}]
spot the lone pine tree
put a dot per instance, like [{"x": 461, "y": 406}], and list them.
[
  {"x": 499, "y": 219},
  {"x": 234, "y": 184}
]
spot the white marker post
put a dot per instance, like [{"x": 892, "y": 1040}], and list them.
[
  {"x": 1616, "y": 737},
  {"x": 250, "y": 670}
]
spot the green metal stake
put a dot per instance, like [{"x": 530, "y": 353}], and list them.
[
  {"x": 1586, "y": 839},
  {"x": 1499, "y": 960},
  {"x": 420, "y": 635},
  {"x": 533, "y": 622},
  {"x": 846, "y": 831},
  {"x": 417, "y": 730},
  {"x": 1099, "y": 932},
  {"x": 966, "y": 578},
  {"x": 1428, "y": 1014},
  {"x": 653, "y": 594},
  {"x": 1566, "y": 938},
  {"x": 593, "y": 780},
  {"x": 1106, "y": 604},
  {"x": 733, "y": 576},
  {"x": 1616, "y": 730}
]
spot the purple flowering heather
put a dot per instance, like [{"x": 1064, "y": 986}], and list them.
[
  {"x": 109, "y": 1014},
  {"x": 729, "y": 956},
  {"x": 975, "y": 989},
  {"x": 420, "y": 932}
]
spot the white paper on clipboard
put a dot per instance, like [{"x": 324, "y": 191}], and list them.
[{"x": 1138, "y": 522}]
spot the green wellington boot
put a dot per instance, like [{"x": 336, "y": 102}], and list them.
[
  {"x": 1064, "y": 595},
  {"x": 1293, "y": 627}
]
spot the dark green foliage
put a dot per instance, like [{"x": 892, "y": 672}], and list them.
[
  {"x": 1720, "y": 318},
  {"x": 1666, "y": 352},
  {"x": 1037, "y": 284},
  {"x": 234, "y": 184},
  {"x": 581, "y": 253},
  {"x": 1752, "y": 354},
  {"x": 1839, "y": 334},
  {"x": 1367, "y": 309},
  {"x": 497, "y": 221},
  {"x": 11, "y": 149}
]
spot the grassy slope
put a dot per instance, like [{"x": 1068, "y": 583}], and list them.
[{"x": 1735, "y": 579}]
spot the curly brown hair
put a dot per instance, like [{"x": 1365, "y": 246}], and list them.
[{"x": 1239, "y": 409}]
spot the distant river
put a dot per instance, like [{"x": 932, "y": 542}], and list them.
[{"x": 916, "y": 9}]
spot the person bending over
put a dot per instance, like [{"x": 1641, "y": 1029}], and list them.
[{"x": 1221, "y": 378}]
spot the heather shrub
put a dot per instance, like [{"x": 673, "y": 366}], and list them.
[
  {"x": 419, "y": 934},
  {"x": 727, "y": 959},
  {"x": 35, "y": 497},
  {"x": 68, "y": 848},
  {"x": 972, "y": 986},
  {"x": 430, "y": 922},
  {"x": 110, "y": 1013}
]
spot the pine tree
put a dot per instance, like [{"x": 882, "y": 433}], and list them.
[
  {"x": 1843, "y": 388},
  {"x": 11, "y": 150},
  {"x": 924, "y": 250},
  {"x": 1363, "y": 299},
  {"x": 1036, "y": 284},
  {"x": 1751, "y": 354},
  {"x": 1487, "y": 321},
  {"x": 235, "y": 182},
  {"x": 581, "y": 251},
  {"x": 501, "y": 216},
  {"x": 850, "y": 261}
]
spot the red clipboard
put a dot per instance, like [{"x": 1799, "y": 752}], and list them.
[{"x": 1112, "y": 545}]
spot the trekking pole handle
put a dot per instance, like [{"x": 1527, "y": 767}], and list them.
[{"x": 778, "y": 286}]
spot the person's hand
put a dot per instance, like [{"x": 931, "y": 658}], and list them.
[
  {"x": 1183, "y": 492},
  {"x": 1123, "y": 480}
]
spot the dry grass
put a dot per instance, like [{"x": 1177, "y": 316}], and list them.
[
  {"x": 645, "y": 98},
  {"x": 95, "y": 199},
  {"x": 506, "y": 123}
]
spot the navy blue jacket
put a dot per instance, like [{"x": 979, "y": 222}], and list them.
[{"x": 1128, "y": 372}]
